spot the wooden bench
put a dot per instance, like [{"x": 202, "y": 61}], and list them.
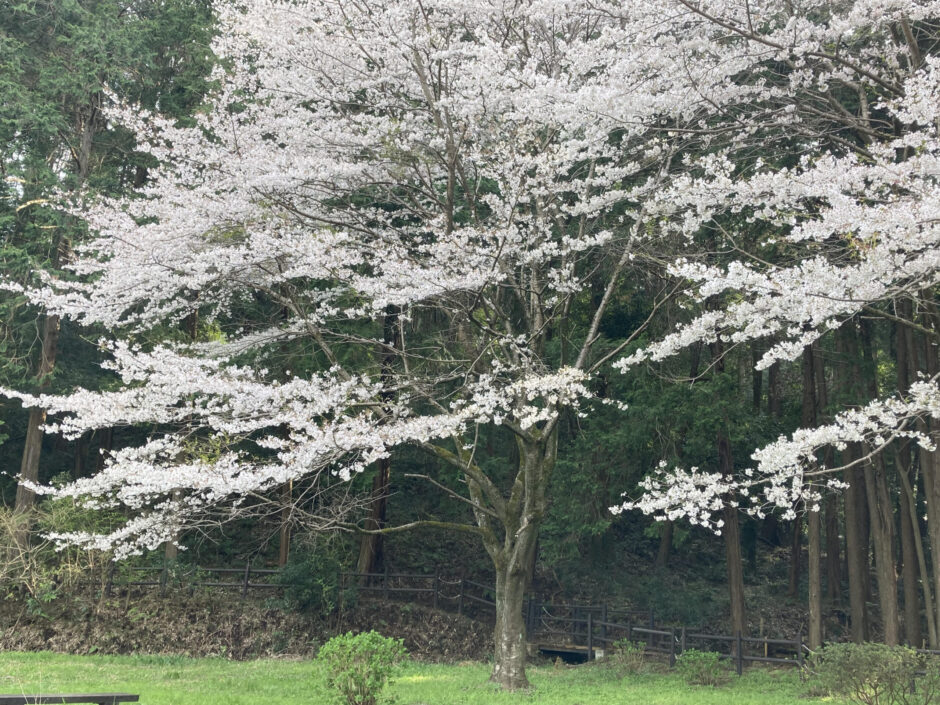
[{"x": 62, "y": 698}]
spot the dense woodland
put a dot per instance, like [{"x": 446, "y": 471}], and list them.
[{"x": 475, "y": 272}]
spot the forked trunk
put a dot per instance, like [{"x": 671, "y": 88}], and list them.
[{"x": 510, "y": 544}]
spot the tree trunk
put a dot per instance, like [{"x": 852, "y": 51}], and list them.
[
  {"x": 87, "y": 122},
  {"x": 665, "y": 544},
  {"x": 510, "y": 547},
  {"x": 815, "y": 579},
  {"x": 370, "y": 547},
  {"x": 29, "y": 465},
  {"x": 856, "y": 524},
  {"x": 881, "y": 513},
  {"x": 509, "y": 634},
  {"x": 833, "y": 551},
  {"x": 796, "y": 550},
  {"x": 774, "y": 390},
  {"x": 912, "y": 631},
  {"x": 882, "y": 529},
  {"x": 283, "y": 553},
  {"x": 907, "y": 496},
  {"x": 833, "y": 545},
  {"x": 910, "y": 565},
  {"x": 105, "y": 446},
  {"x": 732, "y": 528},
  {"x": 856, "y": 550},
  {"x": 809, "y": 419},
  {"x": 757, "y": 378},
  {"x": 929, "y": 471},
  {"x": 930, "y": 462},
  {"x": 732, "y": 533}
]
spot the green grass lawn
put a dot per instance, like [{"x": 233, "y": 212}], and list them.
[{"x": 176, "y": 680}]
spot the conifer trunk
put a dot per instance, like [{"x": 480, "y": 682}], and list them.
[
  {"x": 856, "y": 531},
  {"x": 909, "y": 574},
  {"x": 371, "y": 544},
  {"x": 370, "y": 547},
  {"x": 732, "y": 528},
  {"x": 815, "y": 580},
  {"x": 911, "y": 556},
  {"x": 32, "y": 449},
  {"x": 665, "y": 544},
  {"x": 796, "y": 551},
  {"x": 881, "y": 513},
  {"x": 808, "y": 419}
]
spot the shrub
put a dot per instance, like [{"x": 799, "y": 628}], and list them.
[
  {"x": 35, "y": 568},
  {"x": 701, "y": 667},
  {"x": 876, "y": 674},
  {"x": 359, "y": 666},
  {"x": 311, "y": 581},
  {"x": 628, "y": 655}
]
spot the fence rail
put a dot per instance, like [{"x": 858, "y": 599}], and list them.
[{"x": 582, "y": 628}]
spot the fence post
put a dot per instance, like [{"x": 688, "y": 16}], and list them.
[
  {"x": 385, "y": 584},
  {"x": 629, "y": 630},
  {"x": 652, "y": 619},
  {"x": 739, "y": 656},
  {"x": 590, "y": 637},
  {"x": 247, "y": 576},
  {"x": 682, "y": 643},
  {"x": 604, "y": 621},
  {"x": 799, "y": 650},
  {"x": 672, "y": 647}
]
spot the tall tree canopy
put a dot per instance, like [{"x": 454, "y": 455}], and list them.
[{"x": 426, "y": 196}]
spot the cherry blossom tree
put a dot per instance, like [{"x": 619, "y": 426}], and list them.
[
  {"x": 444, "y": 183},
  {"x": 451, "y": 184},
  {"x": 858, "y": 215},
  {"x": 844, "y": 194}
]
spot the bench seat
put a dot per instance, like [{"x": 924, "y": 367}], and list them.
[{"x": 62, "y": 698}]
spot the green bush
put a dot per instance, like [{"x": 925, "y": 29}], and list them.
[
  {"x": 701, "y": 668},
  {"x": 311, "y": 581},
  {"x": 359, "y": 666},
  {"x": 876, "y": 674},
  {"x": 630, "y": 656}
]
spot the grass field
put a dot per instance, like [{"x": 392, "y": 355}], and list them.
[{"x": 176, "y": 680}]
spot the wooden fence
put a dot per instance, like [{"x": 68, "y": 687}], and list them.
[
  {"x": 581, "y": 629},
  {"x": 672, "y": 642},
  {"x": 240, "y": 579},
  {"x": 435, "y": 589}
]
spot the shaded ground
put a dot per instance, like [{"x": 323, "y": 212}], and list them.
[{"x": 229, "y": 626}]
